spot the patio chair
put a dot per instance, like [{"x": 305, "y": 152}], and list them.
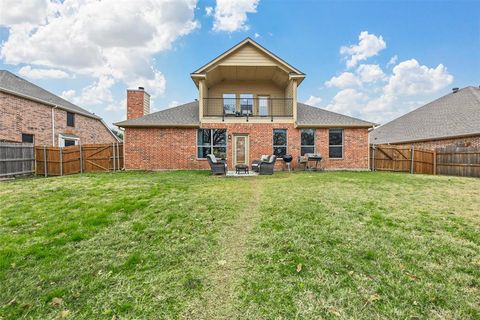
[
  {"x": 217, "y": 166},
  {"x": 255, "y": 163},
  {"x": 266, "y": 167}
]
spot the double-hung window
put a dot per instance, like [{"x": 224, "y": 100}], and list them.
[
  {"x": 246, "y": 103},
  {"x": 335, "y": 143},
  {"x": 229, "y": 103},
  {"x": 212, "y": 141},
  {"x": 307, "y": 141},
  {"x": 70, "y": 119},
  {"x": 280, "y": 142}
]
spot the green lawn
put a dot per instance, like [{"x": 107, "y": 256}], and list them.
[{"x": 334, "y": 245}]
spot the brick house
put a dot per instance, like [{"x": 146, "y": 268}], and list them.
[
  {"x": 31, "y": 114},
  {"x": 247, "y": 107},
  {"x": 453, "y": 119}
]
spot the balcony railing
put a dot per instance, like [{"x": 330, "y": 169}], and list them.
[{"x": 248, "y": 108}]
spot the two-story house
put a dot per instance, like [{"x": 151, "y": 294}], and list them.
[
  {"x": 247, "y": 106},
  {"x": 32, "y": 114}
]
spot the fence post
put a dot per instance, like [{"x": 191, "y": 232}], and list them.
[
  {"x": 113, "y": 155},
  {"x": 118, "y": 156},
  {"x": 45, "y": 161},
  {"x": 435, "y": 161},
  {"x": 373, "y": 160},
  {"x": 81, "y": 160},
  {"x": 412, "y": 167},
  {"x": 61, "y": 161}
]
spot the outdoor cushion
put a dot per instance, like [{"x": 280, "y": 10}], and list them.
[
  {"x": 264, "y": 157},
  {"x": 212, "y": 158}
]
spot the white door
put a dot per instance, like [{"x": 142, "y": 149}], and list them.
[{"x": 240, "y": 149}]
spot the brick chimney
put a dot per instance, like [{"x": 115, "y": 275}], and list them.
[{"x": 138, "y": 103}]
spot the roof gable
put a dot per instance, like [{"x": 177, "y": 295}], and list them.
[{"x": 248, "y": 50}]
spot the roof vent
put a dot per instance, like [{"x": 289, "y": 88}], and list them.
[
  {"x": 455, "y": 90},
  {"x": 142, "y": 88}
]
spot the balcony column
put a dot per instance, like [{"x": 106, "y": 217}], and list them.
[
  {"x": 294, "y": 100},
  {"x": 202, "y": 93}
]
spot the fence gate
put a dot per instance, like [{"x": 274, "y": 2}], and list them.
[
  {"x": 56, "y": 161},
  {"x": 402, "y": 159}
]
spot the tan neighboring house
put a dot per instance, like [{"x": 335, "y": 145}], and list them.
[
  {"x": 247, "y": 107},
  {"x": 31, "y": 114},
  {"x": 453, "y": 119}
]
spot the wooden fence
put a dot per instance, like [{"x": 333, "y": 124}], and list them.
[
  {"x": 457, "y": 161},
  {"x": 16, "y": 159},
  {"x": 56, "y": 161}
]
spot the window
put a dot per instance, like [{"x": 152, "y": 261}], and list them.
[
  {"x": 307, "y": 141},
  {"x": 212, "y": 141},
  {"x": 246, "y": 103},
  {"x": 335, "y": 143},
  {"x": 68, "y": 143},
  {"x": 70, "y": 119},
  {"x": 263, "y": 106},
  {"x": 27, "y": 138},
  {"x": 229, "y": 103},
  {"x": 280, "y": 142}
]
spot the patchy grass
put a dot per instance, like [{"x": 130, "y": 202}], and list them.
[{"x": 311, "y": 245}]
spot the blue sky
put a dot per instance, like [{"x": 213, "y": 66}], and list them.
[{"x": 373, "y": 60}]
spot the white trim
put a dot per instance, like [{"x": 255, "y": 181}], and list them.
[{"x": 62, "y": 138}]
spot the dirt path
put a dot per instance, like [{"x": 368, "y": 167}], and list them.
[{"x": 215, "y": 303}]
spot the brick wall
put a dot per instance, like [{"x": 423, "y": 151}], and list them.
[
  {"x": 473, "y": 141},
  {"x": 19, "y": 115},
  {"x": 175, "y": 148}
]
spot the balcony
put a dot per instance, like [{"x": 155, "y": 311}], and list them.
[{"x": 247, "y": 108}]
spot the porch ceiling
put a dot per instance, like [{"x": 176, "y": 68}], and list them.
[{"x": 247, "y": 73}]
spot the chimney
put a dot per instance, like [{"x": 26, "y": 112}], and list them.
[
  {"x": 454, "y": 90},
  {"x": 138, "y": 103}
]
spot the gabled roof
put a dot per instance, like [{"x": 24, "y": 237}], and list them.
[
  {"x": 15, "y": 85},
  {"x": 309, "y": 116},
  {"x": 186, "y": 115},
  {"x": 241, "y": 44},
  {"x": 453, "y": 115}
]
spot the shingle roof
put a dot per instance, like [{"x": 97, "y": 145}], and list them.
[
  {"x": 13, "y": 84},
  {"x": 186, "y": 115},
  {"x": 316, "y": 117},
  {"x": 453, "y": 115}
]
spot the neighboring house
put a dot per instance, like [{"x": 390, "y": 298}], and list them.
[
  {"x": 29, "y": 113},
  {"x": 453, "y": 119},
  {"x": 247, "y": 106}
]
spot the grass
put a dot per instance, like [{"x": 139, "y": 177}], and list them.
[{"x": 171, "y": 245}]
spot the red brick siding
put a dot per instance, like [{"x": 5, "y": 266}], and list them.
[
  {"x": 164, "y": 148},
  {"x": 473, "y": 141},
  {"x": 19, "y": 115},
  {"x": 135, "y": 104}
]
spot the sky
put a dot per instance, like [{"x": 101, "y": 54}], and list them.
[{"x": 374, "y": 60}]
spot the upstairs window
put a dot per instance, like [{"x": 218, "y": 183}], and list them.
[
  {"x": 211, "y": 141},
  {"x": 335, "y": 143},
  {"x": 246, "y": 103},
  {"x": 307, "y": 141},
  {"x": 27, "y": 138},
  {"x": 263, "y": 106},
  {"x": 280, "y": 142},
  {"x": 70, "y": 119},
  {"x": 229, "y": 103}
]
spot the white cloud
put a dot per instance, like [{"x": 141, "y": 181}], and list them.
[
  {"x": 313, "y": 101},
  {"x": 32, "y": 73},
  {"x": 393, "y": 60},
  {"x": 368, "y": 46},
  {"x": 111, "y": 41},
  {"x": 231, "y": 15},
  {"x": 345, "y": 80},
  {"x": 370, "y": 73},
  {"x": 22, "y": 11},
  {"x": 68, "y": 94},
  {"x": 256, "y": 35},
  {"x": 347, "y": 101},
  {"x": 117, "y": 106},
  {"x": 209, "y": 11},
  {"x": 410, "y": 78}
]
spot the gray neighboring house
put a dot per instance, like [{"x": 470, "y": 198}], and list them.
[{"x": 453, "y": 119}]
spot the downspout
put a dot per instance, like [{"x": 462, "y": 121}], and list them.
[{"x": 53, "y": 125}]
